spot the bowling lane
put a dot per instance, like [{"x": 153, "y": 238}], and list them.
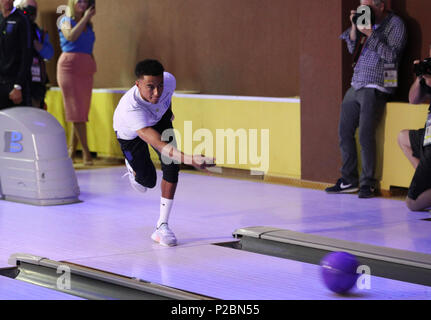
[{"x": 237, "y": 275}]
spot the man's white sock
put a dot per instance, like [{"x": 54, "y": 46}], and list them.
[{"x": 165, "y": 210}]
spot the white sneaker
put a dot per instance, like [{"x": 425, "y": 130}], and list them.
[
  {"x": 135, "y": 185},
  {"x": 164, "y": 236}
]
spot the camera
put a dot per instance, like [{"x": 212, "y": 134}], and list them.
[
  {"x": 29, "y": 11},
  {"x": 423, "y": 67},
  {"x": 365, "y": 10}
]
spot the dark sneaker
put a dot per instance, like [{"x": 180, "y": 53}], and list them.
[
  {"x": 366, "y": 192},
  {"x": 342, "y": 187}
]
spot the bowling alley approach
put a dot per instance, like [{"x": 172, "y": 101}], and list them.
[
  {"x": 96, "y": 249},
  {"x": 169, "y": 151}
]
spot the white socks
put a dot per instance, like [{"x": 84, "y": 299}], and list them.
[{"x": 165, "y": 210}]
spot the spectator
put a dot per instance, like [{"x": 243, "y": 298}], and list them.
[
  {"x": 75, "y": 71},
  {"x": 42, "y": 50},
  {"x": 15, "y": 56}
]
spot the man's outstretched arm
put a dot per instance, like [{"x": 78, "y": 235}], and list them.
[{"x": 153, "y": 138}]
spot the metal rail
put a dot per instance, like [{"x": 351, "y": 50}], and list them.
[{"x": 90, "y": 283}]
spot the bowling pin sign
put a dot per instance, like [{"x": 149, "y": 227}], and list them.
[
  {"x": 364, "y": 279},
  {"x": 64, "y": 281}
]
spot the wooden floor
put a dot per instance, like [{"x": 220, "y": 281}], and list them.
[{"x": 110, "y": 230}]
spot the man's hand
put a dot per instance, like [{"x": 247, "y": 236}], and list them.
[
  {"x": 352, "y": 14},
  {"x": 427, "y": 77},
  {"x": 367, "y": 32},
  {"x": 37, "y": 45},
  {"x": 353, "y": 36},
  {"x": 201, "y": 162},
  {"x": 416, "y": 93},
  {"x": 16, "y": 96},
  {"x": 90, "y": 13}
]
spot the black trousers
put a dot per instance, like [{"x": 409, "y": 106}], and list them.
[
  {"x": 361, "y": 109},
  {"x": 421, "y": 181}
]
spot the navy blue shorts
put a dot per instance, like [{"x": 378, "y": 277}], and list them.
[
  {"x": 422, "y": 178},
  {"x": 138, "y": 155}
]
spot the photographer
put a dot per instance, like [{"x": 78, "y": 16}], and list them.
[
  {"x": 374, "y": 47},
  {"x": 416, "y": 144}
]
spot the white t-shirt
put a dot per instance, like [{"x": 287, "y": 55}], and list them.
[{"x": 134, "y": 113}]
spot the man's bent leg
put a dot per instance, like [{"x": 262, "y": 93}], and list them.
[
  {"x": 419, "y": 195},
  {"x": 423, "y": 202},
  {"x": 138, "y": 157},
  {"x": 404, "y": 143}
]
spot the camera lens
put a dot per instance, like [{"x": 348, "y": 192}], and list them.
[{"x": 356, "y": 17}]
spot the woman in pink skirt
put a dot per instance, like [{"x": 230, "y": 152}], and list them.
[{"x": 75, "y": 70}]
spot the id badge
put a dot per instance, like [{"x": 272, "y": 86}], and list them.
[
  {"x": 390, "y": 76},
  {"x": 10, "y": 26},
  {"x": 35, "y": 71},
  {"x": 427, "y": 138}
]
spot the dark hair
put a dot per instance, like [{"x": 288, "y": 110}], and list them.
[{"x": 149, "y": 68}]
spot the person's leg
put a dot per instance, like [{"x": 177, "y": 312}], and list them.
[
  {"x": 419, "y": 195},
  {"x": 168, "y": 189},
  {"x": 38, "y": 92},
  {"x": 170, "y": 170},
  {"x": 166, "y": 201},
  {"x": 406, "y": 147},
  {"x": 73, "y": 143},
  {"x": 163, "y": 234},
  {"x": 373, "y": 104},
  {"x": 35, "y": 102},
  {"x": 423, "y": 202},
  {"x": 80, "y": 130},
  {"x": 138, "y": 161},
  {"x": 349, "y": 121},
  {"x": 26, "y": 96}
]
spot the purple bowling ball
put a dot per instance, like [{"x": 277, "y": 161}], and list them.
[{"x": 339, "y": 271}]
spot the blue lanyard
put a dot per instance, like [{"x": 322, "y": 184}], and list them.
[{"x": 39, "y": 36}]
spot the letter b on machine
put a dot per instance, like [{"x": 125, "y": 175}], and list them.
[{"x": 34, "y": 164}]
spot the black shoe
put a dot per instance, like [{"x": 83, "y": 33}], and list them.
[
  {"x": 342, "y": 187},
  {"x": 366, "y": 192}
]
